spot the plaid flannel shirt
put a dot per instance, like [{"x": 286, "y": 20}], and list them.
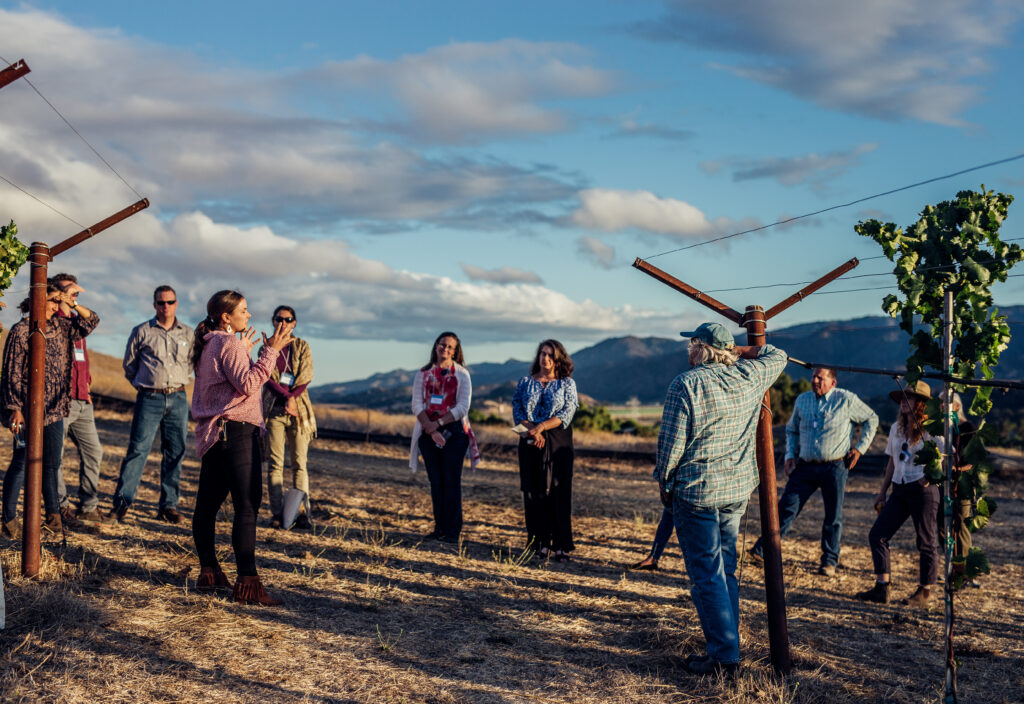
[
  {"x": 706, "y": 454},
  {"x": 822, "y": 429}
]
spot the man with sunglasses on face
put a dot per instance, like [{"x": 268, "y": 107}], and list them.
[{"x": 156, "y": 362}]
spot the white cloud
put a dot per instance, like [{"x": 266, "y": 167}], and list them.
[
  {"x": 610, "y": 210},
  {"x": 916, "y": 59},
  {"x": 501, "y": 275},
  {"x": 596, "y": 252},
  {"x": 339, "y": 294}
]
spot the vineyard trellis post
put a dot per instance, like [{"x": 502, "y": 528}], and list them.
[
  {"x": 754, "y": 320},
  {"x": 947, "y": 492},
  {"x": 40, "y": 254}
]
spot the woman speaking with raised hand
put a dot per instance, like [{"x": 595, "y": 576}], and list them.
[{"x": 227, "y": 407}]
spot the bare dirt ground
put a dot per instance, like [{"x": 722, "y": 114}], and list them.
[{"x": 375, "y": 614}]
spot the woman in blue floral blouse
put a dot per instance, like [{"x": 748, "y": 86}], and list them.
[{"x": 545, "y": 403}]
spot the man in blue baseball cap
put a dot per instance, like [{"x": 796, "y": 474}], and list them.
[{"x": 707, "y": 468}]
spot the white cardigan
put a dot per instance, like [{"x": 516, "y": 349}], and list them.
[{"x": 463, "y": 397}]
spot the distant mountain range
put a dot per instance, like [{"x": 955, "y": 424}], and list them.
[{"x": 617, "y": 369}]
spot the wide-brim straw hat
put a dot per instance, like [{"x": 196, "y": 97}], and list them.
[{"x": 919, "y": 389}]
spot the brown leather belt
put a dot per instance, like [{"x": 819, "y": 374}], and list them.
[{"x": 170, "y": 390}]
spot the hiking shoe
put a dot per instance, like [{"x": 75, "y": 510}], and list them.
[
  {"x": 302, "y": 522},
  {"x": 827, "y": 570},
  {"x": 920, "y": 599},
  {"x": 117, "y": 514},
  {"x": 755, "y": 557},
  {"x": 276, "y": 521},
  {"x": 11, "y": 529},
  {"x": 93, "y": 516},
  {"x": 67, "y": 514},
  {"x": 170, "y": 515},
  {"x": 53, "y": 523},
  {"x": 878, "y": 593}
]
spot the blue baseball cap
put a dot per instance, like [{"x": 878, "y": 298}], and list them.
[{"x": 713, "y": 334}]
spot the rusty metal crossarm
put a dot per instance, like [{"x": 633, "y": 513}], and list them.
[
  {"x": 98, "y": 227},
  {"x": 811, "y": 288},
  {"x": 689, "y": 291},
  {"x": 13, "y": 72}
]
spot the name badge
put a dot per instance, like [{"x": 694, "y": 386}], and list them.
[
  {"x": 436, "y": 400},
  {"x": 287, "y": 379},
  {"x": 79, "y": 355}
]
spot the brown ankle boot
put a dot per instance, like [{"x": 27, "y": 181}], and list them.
[
  {"x": 12, "y": 529},
  {"x": 249, "y": 590},
  {"x": 53, "y": 523},
  {"x": 212, "y": 579},
  {"x": 878, "y": 593},
  {"x": 921, "y": 598}
]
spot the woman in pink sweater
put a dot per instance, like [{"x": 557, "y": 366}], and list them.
[{"x": 227, "y": 407}]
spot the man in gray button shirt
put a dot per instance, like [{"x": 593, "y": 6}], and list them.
[{"x": 156, "y": 362}]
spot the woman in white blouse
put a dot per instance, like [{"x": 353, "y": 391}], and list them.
[
  {"x": 912, "y": 497},
  {"x": 441, "y": 394}
]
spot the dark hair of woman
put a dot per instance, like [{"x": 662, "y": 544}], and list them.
[
  {"x": 433, "y": 351},
  {"x": 221, "y": 302},
  {"x": 911, "y": 423},
  {"x": 26, "y": 306},
  {"x": 287, "y": 308},
  {"x": 563, "y": 364}
]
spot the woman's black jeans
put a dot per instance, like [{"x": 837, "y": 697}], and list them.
[
  {"x": 920, "y": 502},
  {"x": 444, "y": 469},
  {"x": 232, "y": 466},
  {"x": 14, "y": 479}
]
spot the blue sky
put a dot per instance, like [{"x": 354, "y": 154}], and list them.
[{"x": 396, "y": 169}]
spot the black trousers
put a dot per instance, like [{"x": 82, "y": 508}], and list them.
[
  {"x": 444, "y": 469},
  {"x": 230, "y": 467},
  {"x": 545, "y": 476},
  {"x": 920, "y": 502}
]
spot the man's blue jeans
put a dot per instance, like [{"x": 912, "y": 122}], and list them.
[
  {"x": 708, "y": 539},
  {"x": 14, "y": 479},
  {"x": 801, "y": 485},
  {"x": 153, "y": 411}
]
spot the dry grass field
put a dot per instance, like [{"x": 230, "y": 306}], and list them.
[{"x": 375, "y": 614}]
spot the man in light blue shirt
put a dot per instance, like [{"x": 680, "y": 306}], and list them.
[{"x": 818, "y": 456}]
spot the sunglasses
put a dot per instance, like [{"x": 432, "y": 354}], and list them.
[
  {"x": 164, "y": 303},
  {"x": 904, "y": 454},
  {"x": 283, "y": 319}
]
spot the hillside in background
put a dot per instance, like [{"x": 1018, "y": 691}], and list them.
[{"x": 615, "y": 370}]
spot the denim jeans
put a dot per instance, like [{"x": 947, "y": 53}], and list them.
[
  {"x": 14, "y": 479},
  {"x": 803, "y": 482},
  {"x": 708, "y": 539},
  {"x": 153, "y": 411},
  {"x": 80, "y": 424},
  {"x": 918, "y": 501},
  {"x": 663, "y": 534}
]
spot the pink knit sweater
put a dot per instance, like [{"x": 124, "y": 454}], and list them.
[{"x": 228, "y": 385}]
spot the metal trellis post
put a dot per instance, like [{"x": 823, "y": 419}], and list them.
[{"x": 40, "y": 255}]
